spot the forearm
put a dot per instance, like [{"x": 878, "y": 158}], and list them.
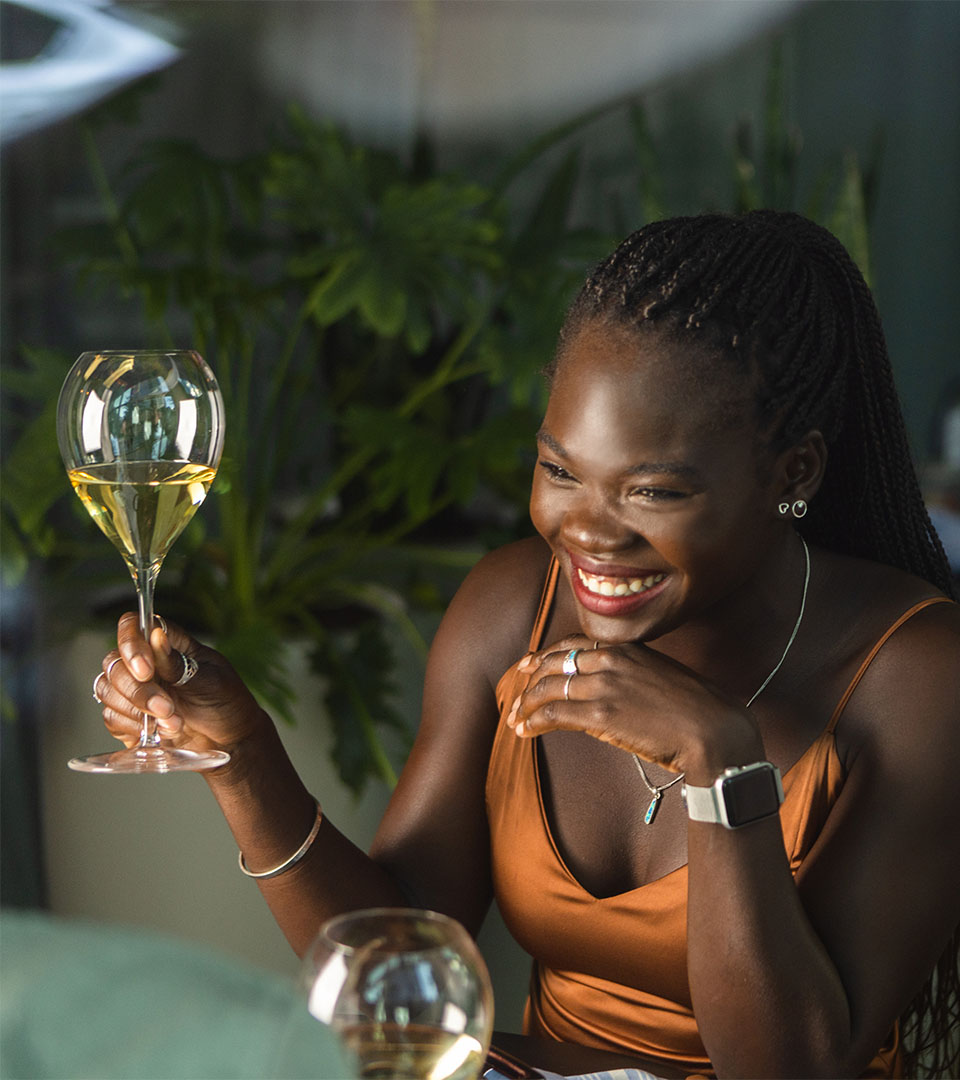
[
  {"x": 270, "y": 813},
  {"x": 768, "y": 999}
]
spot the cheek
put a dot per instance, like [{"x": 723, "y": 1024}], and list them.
[{"x": 544, "y": 512}]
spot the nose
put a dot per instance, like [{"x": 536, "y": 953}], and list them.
[{"x": 594, "y": 526}]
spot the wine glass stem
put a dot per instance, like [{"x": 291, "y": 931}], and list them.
[{"x": 145, "y": 578}]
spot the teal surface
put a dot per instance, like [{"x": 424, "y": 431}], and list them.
[{"x": 82, "y": 1001}]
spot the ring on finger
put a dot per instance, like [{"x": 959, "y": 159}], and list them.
[
  {"x": 566, "y": 686},
  {"x": 570, "y": 662},
  {"x": 96, "y": 696},
  {"x": 190, "y": 668},
  {"x": 162, "y": 622}
]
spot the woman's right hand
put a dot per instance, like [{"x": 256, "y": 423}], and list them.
[{"x": 214, "y": 710}]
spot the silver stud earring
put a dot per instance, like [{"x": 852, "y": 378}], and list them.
[
  {"x": 784, "y": 509},
  {"x": 799, "y": 508}
]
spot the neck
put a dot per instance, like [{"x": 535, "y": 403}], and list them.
[{"x": 736, "y": 642}]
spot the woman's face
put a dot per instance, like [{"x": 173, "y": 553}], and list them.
[{"x": 648, "y": 485}]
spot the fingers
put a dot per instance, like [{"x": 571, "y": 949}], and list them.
[
  {"x": 563, "y": 690},
  {"x": 162, "y": 657},
  {"x": 556, "y": 653},
  {"x": 553, "y": 704},
  {"x": 176, "y": 654},
  {"x": 125, "y": 698},
  {"x": 136, "y": 653}
]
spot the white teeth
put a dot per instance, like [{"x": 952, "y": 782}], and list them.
[{"x": 604, "y": 586}]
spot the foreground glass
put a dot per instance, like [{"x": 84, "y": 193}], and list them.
[
  {"x": 406, "y": 992},
  {"x": 140, "y": 434}
]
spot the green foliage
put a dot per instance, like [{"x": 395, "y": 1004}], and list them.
[
  {"x": 360, "y": 319},
  {"x": 768, "y": 178},
  {"x": 378, "y": 332}
]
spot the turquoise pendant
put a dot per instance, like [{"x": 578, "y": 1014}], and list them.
[{"x": 652, "y": 809}]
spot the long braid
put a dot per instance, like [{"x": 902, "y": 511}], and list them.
[{"x": 779, "y": 298}]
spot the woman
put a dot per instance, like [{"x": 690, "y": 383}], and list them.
[{"x": 743, "y": 597}]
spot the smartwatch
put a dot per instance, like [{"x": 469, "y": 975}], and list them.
[{"x": 741, "y": 795}]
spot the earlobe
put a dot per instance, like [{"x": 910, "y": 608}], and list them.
[
  {"x": 798, "y": 508},
  {"x": 801, "y": 472}
]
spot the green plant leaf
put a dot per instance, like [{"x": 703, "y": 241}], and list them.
[
  {"x": 848, "y": 222},
  {"x": 257, "y": 650},
  {"x": 360, "y": 699},
  {"x": 649, "y": 179}
]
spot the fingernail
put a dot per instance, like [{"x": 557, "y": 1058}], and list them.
[
  {"x": 526, "y": 663},
  {"x": 160, "y": 706},
  {"x": 520, "y": 729},
  {"x": 140, "y": 667},
  {"x": 171, "y": 725}
]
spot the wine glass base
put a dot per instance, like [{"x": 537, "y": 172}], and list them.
[{"x": 150, "y": 759}]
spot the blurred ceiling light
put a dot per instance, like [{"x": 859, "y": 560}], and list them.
[{"x": 58, "y": 57}]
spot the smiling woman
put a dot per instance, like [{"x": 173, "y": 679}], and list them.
[{"x": 672, "y": 733}]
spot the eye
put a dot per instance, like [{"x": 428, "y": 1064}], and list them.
[
  {"x": 656, "y": 494},
  {"x": 555, "y": 471}
]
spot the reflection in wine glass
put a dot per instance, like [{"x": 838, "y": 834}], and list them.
[
  {"x": 141, "y": 435},
  {"x": 406, "y": 991}
]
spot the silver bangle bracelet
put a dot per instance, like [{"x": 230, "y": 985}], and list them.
[{"x": 294, "y": 858}]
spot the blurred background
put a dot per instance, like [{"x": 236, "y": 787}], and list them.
[{"x": 368, "y": 216}]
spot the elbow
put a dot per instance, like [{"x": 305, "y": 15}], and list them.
[{"x": 787, "y": 1046}]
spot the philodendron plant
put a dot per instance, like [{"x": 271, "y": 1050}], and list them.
[{"x": 377, "y": 328}]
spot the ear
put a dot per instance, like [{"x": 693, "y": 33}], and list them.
[{"x": 799, "y": 470}]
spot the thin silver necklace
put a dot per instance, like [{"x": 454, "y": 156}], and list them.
[{"x": 656, "y": 791}]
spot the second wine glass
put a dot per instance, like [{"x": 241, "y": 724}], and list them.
[
  {"x": 141, "y": 434},
  {"x": 406, "y": 991}
]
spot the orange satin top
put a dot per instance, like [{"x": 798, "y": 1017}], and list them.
[{"x": 603, "y": 966}]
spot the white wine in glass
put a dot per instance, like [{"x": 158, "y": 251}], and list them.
[
  {"x": 141, "y": 434},
  {"x": 406, "y": 992}
]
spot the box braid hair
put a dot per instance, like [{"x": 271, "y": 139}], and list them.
[{"x": 779, "y": 297}]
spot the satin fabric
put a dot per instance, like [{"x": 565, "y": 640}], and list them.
[{"x": 611, "y": 972}]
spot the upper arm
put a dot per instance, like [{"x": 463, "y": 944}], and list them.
[
  {"x": 882, "y": 884},
  {"x": 434, "y": 835}
]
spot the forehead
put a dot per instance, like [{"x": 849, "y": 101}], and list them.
[{"x": 651, "y": 378}]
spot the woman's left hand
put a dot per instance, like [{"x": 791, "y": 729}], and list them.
[{"x": 638, "y": 700}]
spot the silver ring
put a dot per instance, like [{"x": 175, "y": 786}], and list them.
[
  {"x": 566, "y": 686},
  {"x": 570, "y": 662},
  {"x": 96, "y": 697},
  {"x": 190, "y": 668},
  {"x": 163, "y": 623}
]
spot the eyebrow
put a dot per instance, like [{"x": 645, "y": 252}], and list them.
[{"x": 643, "y": 468}]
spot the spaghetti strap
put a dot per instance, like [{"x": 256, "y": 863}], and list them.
[
  {"x": 546, "y": 603},
  {"x": 876, "y": 648}
]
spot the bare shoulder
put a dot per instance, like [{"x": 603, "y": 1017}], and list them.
[
  {"x": 910, "y": 689},
  {"x": 493, "y": 611}
]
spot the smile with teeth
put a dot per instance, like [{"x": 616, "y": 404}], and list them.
[{"x": 605, "y": 586}]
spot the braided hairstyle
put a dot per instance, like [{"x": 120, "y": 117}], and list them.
[
  {"x": 782, "y": 299},
  {"x": 779, "y": 298}
]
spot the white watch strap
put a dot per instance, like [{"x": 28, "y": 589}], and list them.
[{"x": 702, "y": 804}]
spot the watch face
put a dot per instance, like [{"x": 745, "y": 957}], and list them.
[{"x": 751, "y": 795}]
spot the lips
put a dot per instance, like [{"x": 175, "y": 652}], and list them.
[
  {"x": 603, "y": 585},
  {"x": 615, "y": 590}
]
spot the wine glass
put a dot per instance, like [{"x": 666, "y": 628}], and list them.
[
  {"x": 406, "y": 992},
  {"x": 140, "y": 434}
]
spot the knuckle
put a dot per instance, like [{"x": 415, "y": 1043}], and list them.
[{"x": 552, "y": 712}]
